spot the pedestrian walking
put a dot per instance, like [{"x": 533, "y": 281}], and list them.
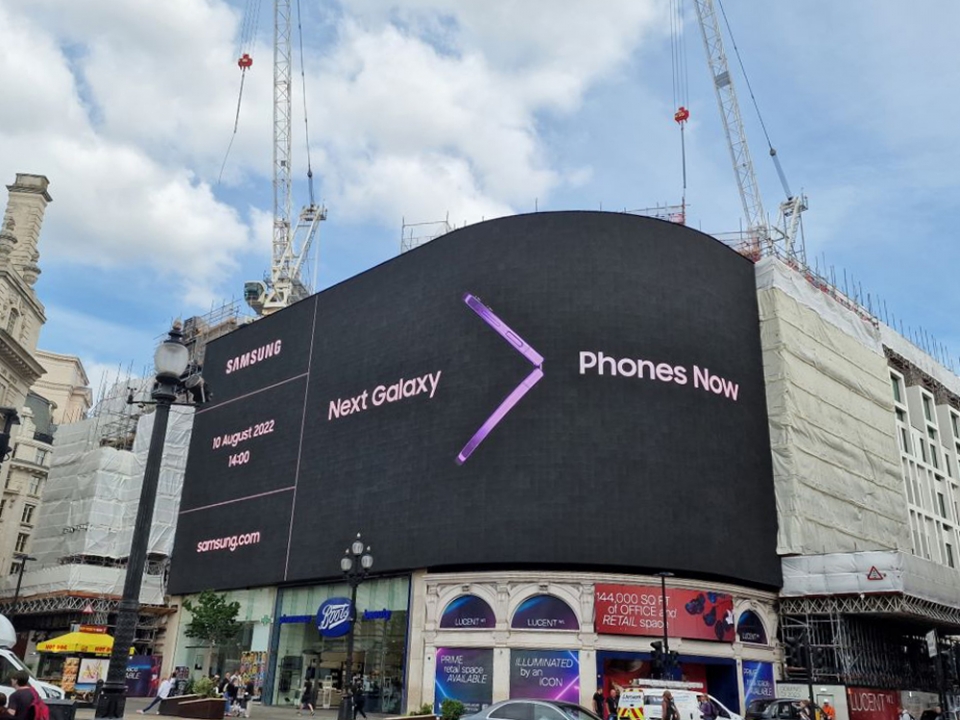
[
  {"x": 231, "y": 692},
  {"x": 20, "y": 703},
  {"x": 613, "y": 702},
  {"x": 707, "y": 709},
  {"x": 162, "y": 694},
  {"x": 668, "y": 709},
  {"x": 359, "y": 701},
  {"x": 599, "y": 702},
  {"x": 248, "y": 692},
  {"x": 306, "y": 699}
]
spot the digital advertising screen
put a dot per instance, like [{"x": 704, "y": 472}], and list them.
[{"x": 571, "y": 389}]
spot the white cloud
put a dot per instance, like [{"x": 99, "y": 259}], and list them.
[
  {"x": 417, "y": 110},
  {"x": 434, "y": 107},
  {"x": 116, "y": 203}
]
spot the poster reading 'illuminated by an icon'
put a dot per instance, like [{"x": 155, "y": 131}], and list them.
[{"x": 545, "y": 674}]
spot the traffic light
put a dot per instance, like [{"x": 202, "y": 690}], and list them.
[
  {"x": 657, "y": 665},
  {"x": 671, "y": 664}
]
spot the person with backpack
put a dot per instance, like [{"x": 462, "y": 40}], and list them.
[
  {"x": 668, "y": 709},
  {"x": 25, "y": 702},
  {"x": 707, "y": 709}
]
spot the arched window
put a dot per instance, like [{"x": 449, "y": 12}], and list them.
[
  {"x": 12, "y": 319},
  {"x": 468, "y": 612},
  {"x": 544, "y": 612},
  {"x": 750, "y": 628}
]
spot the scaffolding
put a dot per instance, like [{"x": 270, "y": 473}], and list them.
[
  {"x": 84, "y": 528},
  {"x": 202, "y": 329},
  {"x": 671, "y": 213},
  {"x": 884, "y": 649},
  {"x": 414, "y": 235}
]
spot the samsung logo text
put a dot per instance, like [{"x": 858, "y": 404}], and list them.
[{"x": 252, "y": 357}]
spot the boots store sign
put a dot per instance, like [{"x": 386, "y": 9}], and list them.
[
  {"x": 638, "y": 610},
  {"x": 333, "y": 617}
]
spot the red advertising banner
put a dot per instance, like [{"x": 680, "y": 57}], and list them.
[
  {"x": 636, "y": 610},
  {"x": 870, "y": 704}
]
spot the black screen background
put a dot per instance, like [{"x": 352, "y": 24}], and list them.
[{"x": 611, "y": 472}]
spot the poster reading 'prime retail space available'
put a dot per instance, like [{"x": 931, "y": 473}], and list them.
[
  {"x": 758, "y": 682},
  {"x": 545, "y": 674},
  {"x": 464, "y": 674}
]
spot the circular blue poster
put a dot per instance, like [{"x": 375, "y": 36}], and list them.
[{"x": 333, "y": 617}]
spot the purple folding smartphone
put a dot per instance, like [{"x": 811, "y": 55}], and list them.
[{"x": 535, "y": 358}]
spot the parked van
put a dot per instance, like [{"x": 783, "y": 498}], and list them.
[
  {"x": 10, "y": 664},
  {"x": 644, "y": 702}
]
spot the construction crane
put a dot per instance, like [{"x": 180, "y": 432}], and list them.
[
  {"x": 764, "y": 237},
  {"x": 291, "y": 244}
]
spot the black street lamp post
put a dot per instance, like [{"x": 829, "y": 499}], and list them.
[
  {"x": 355, "y": 563},
  {"x": 663, "y": 614},
  {"x": 23, "y": 559},
  {"x": 171, "y": 361}
]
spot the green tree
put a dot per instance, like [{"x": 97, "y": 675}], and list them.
[
  {"x": 451, "y": 709},
  {"x": 214, "y": 619}
]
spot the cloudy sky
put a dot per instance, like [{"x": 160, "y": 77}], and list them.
[{"x": 460, "y": 109}]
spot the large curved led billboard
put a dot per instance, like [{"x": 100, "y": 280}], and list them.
[{"x": 573, "y": 389}]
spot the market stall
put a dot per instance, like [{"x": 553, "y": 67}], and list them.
[{"x": 77, "y": 661}]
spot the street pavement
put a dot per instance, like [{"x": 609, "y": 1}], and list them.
[{"x": 258, "y": 712}]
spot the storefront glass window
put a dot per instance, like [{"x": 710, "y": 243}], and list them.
[
  {"x": 245, "y": 654},
  {"x": 379, "y": 645}
]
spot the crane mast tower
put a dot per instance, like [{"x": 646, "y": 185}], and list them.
[
  {"x": 291, "y": 243},
  {"x": 763, "y": 236}
]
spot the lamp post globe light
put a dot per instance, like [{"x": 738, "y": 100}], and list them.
[
  {"x": 170, "y": 361},
  {"x": 355, "y": 564}
]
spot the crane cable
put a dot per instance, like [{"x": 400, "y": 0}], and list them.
[
  {"x": 306, "y": 124},
  {"x": 681, "y": 98},
  {"x": 248, "y": 35},
  {"x": 756, "y": 106}
]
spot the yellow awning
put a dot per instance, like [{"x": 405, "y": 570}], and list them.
[{"x": 79, "y": 642}]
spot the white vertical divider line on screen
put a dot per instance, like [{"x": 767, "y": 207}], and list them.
[{"x": 303, "y": 423}]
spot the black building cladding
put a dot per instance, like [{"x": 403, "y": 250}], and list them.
[{"x": 639, "y": 441}]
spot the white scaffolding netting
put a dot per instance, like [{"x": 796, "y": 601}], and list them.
[
  {"x": 90, "y": 500},
  {"x": 836, "y": 467}
]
